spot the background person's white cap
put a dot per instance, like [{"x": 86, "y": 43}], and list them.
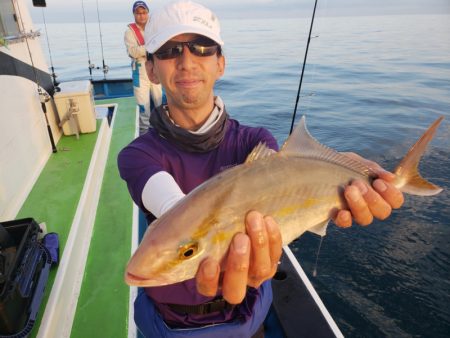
[{"x": 178, "y": 18}]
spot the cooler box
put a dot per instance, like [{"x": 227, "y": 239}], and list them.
[
  {"x": 24, "y": 269},
  {"x": 76, "y": 108}
]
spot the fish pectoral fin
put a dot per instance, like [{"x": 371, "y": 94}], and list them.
[
  {"x": 260, "y": 151},
  {"x": 320, "y": 229}
]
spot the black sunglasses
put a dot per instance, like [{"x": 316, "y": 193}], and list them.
[{"x": 199, "y": 47}]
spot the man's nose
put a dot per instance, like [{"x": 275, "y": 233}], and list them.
[{"x": 186, "y": 59}]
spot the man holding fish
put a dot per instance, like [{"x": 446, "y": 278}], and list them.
[{"x": 226, "y": 292}]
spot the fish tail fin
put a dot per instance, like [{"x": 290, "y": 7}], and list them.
[{"x": 408, "y": 178}]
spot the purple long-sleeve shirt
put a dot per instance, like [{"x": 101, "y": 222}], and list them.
[{"x": 149, "y": 154}]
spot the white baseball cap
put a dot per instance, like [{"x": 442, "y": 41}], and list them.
[{"x": 178, "y": 18}]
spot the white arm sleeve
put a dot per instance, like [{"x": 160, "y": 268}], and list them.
[{"x": 160, "y": 193}]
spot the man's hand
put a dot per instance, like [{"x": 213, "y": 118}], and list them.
[
  {"x": 252, "y": 259},
  {"x": 368, "y": 202}
]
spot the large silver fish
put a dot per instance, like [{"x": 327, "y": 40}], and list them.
[{"x": 300, "y": 186}]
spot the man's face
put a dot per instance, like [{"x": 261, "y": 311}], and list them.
[
  {"x": 187, "y": 79},
  {"x": 140, "y": 16}
]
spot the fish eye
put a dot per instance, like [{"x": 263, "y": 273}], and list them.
[{"x": 188, "y": 250}]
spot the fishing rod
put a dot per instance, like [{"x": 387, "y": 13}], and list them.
[
  {"x": 105, "y": 67},
  {"x": 303, "y": 69},
  {"x": 43, "y": 96},
  {"x": 314, "y": 273},
  {"x": 55, "y": 83},
  {"x": 90, "y": 64}
]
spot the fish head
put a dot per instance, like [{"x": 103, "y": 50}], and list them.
[{"x": 168, "y": 255}]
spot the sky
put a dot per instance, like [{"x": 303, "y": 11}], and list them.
[{"x": 120, "y": 10}]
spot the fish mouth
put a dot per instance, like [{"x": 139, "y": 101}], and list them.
[{"x": 133, "y": 280}]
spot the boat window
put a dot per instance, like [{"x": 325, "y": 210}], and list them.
[{"x": 8, "y": 19}]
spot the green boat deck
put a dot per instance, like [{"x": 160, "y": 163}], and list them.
[{"x": 103, "y": 305}]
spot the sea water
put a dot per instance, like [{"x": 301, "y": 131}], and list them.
[{"x": 372, "y": 85}]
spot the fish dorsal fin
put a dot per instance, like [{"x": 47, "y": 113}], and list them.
[
  {"x": 260, "y": 151},
  {"x": 301, "y": 143}
]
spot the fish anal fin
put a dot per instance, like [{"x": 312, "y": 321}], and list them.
[
  {"x": 260, "y": 151},
  {"x": 408, "y": 177},
  {"x": 320, "y": 229}
]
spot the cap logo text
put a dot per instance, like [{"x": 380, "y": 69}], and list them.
[{"x": 202, "y": 21}]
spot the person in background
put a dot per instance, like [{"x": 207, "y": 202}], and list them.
[
  {"x": 193, "y": 138},
  {"x": 147, "y": 94}
]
